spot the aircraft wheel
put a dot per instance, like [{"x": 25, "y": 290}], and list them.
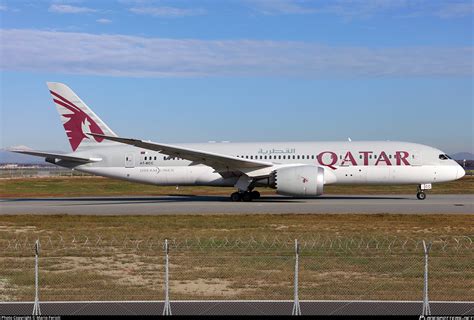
[
  {"x": 235, "y": 197},
  {"x": 421, "y": 195},
  {"x": 255, "y": 194},
  {"x": 247, "y": 197}
]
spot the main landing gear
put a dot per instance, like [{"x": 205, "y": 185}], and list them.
[
  {"x": 244, "y": 196},
  {"x": 421, "y": 195}
]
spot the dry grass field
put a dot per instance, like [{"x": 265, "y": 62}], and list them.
[
  {"x": 97, "y": 186},
  {"x": 237, "y": 257}
]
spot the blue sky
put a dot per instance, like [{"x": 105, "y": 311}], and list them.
[{"x": 250, "y": 70}]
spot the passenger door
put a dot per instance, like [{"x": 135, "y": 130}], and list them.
[
  {"x": 129, "y": 161},
  {"x": 415, "y": 158}
]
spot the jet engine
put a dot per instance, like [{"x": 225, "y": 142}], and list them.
[{"x": 298, "y": 181}]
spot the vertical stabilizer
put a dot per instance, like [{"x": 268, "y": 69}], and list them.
[{"x": 77, "y": 118}]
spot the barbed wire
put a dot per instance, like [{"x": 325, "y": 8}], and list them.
[{"x": 308, "y": 245}]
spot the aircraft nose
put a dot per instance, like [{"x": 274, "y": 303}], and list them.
[{"x": 460, "y": 173}]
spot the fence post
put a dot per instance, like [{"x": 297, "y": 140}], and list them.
[
  {"x": 167, "y": 306},
  {"x": 36, "y": 306},
  {"x": 426, "y": 304},
  {"x": 296, "y": 302}
]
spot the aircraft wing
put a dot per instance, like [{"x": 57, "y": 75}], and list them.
[
  {"x": 217, "y": 161},
  {"x": 56, "y": 156}
]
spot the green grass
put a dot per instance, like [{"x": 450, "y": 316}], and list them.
[
  {"x": 97, "y": 186},
  {"x": 121, "y": 257}
]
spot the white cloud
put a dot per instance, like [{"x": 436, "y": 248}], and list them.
[
  {"x": 121, "y": 55},
  {"x": 103, "y": 21},
  {"x": 3, "y": 7},
  {"x": 66, "y": 1},
  {"x": 272, "y": 7},
  {"x": 65, "y": 8},
  {"x": 171, "y": 12},
  {"x": 365, "y": 9},
  {"x": 455, "y": 10}
]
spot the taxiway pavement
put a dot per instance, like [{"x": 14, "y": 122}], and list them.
[{"x": 159, "y": 205}]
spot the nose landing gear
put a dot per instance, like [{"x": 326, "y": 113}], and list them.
[{"x": 421, "y": 195}]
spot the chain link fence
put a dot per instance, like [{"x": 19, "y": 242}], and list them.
[{"x": 96, "y": 268}]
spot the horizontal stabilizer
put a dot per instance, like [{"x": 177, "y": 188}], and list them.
[{"x": 56, "y": 156}]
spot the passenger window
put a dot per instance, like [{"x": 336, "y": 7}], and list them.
[
  {"x": 298, "y": 157},
  {"x": 279, "y": 157},
  {"x": 294, "y": 157},
  {"x": 155, "y": 157},
  {"x": 284, "y": 157},
  {"x": 312, "y": 156},
  {"x": 360, "y": 157}
]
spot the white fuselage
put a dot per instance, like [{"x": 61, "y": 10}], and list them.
[{"x": 362, "y": 162}]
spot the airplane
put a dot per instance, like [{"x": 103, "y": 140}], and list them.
[{"x": 298, "y": 169}]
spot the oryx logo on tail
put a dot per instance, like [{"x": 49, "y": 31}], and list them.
[{"x": 77, "y": 122}]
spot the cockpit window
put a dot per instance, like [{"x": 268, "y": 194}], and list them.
[{"x": 444, "y": 157}]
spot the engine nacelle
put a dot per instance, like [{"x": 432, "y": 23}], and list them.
[{"x": 298, "y": 181}]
